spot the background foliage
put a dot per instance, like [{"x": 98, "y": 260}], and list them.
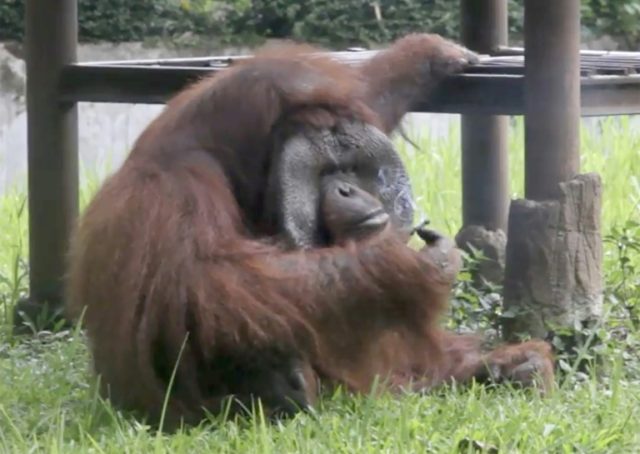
[
  {"x": 119, "y": 20},
  {"x": 327, "y": 22}
]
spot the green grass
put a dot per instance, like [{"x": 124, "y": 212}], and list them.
[{"x": 48, "y": 401}]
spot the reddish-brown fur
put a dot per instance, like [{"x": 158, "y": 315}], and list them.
[{"x": 171, "y": 253}]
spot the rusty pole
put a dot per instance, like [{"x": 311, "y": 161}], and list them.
[
  {"x": 51, "y": 41},
  {"x": 485, "y": 177},
  {"x": 552, "y": 95}
]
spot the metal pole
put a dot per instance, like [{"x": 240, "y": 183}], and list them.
[
  {"x": 51, "y": 41},
  {"x": 552, "y": 95},
  {"x": 485, "y": 173}
]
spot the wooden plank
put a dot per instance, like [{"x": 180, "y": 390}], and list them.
[{"x": 465, "y": 94}]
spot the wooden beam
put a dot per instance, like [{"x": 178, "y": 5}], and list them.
[
  {"x": 485, "y": 172},
  {"x": 51, "y": 38},
  {"x": 486, "y": 94},
  {"x": 552, "y": 95}
]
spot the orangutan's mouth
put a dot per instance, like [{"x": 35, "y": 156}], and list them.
[{"x": 373, "y": 219}]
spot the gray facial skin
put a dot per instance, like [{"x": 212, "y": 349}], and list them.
[{"x": 354, "y": 152}]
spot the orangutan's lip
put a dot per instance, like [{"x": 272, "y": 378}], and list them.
[{"x": 374, "y": 218}]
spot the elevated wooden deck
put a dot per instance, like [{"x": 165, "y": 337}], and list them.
[{"x": 610, "y": 82}]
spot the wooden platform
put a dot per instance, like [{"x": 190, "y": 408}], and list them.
[{"x": 610, "y": 82}]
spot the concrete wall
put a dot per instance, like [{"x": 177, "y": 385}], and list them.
[{"x": 106, "y": 130}]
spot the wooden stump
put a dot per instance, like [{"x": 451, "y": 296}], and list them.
[
  {"x": 553, "y": 276},
  {"x": 492, "y": 244}
]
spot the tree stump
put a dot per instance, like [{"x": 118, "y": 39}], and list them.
[
  {"x": 553, "y": 278},
  {"x": 492, "y": 244}
]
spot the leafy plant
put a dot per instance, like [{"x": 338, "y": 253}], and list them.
[
  {"x": 618, "y": 18},
  {"x": 326, "y": 22},
  {"x": 476, "y": 304},
  {"x": 624, "y": 288}
]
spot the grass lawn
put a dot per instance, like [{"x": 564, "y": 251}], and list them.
[{"x": 48, "y": 401}]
